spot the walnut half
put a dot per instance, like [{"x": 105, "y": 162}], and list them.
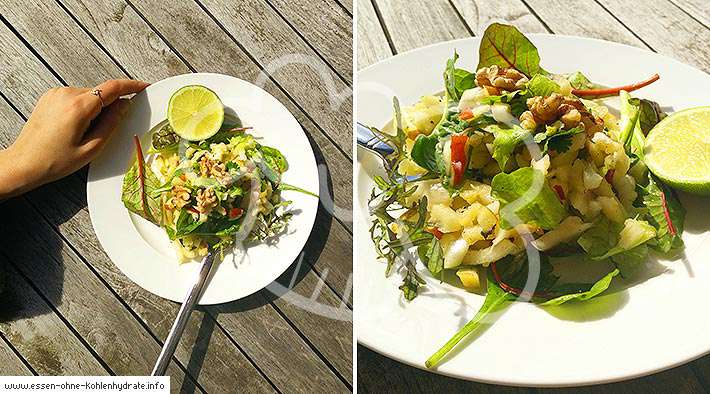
[{"x": 497, "y": 80}]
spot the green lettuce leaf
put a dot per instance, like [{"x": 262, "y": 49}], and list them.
[
  {"x": 597, "y": 288},
  {"x": 505, "y": 142},
  {"x": 505, "y": 46},
  {"x": 541, "y": 85},
  {"x": 518, "y": 199},
  {"x": 496, "y": 300},
  {"x": 630, "y": 133}
]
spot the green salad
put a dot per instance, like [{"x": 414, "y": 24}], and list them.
[
  {"x": 511, "y": 170},
  {"x": 208, "y": 193}
]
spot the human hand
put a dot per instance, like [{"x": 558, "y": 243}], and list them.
[{"x": 66, "y": 130}]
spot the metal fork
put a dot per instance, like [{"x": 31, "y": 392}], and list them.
[{"x": 184, "y": 315}]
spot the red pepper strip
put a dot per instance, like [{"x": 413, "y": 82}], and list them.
[
  {"x": 141, "y": 173},
  {"x": 667, "y": 215},
  {"x": 560, "y": 192},
  {"x": 435, "y": 232},
  {"x": 616, "y": 90},
  {"x": 466, "y": 114},
  {"x": 458, "y": 157},
  {"x": 514, "y": 290},
  {"x": 234, "y": 213},
  {"x": 609, "y": 176}
]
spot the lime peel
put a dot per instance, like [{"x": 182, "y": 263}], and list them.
[{"x": 195, "y": 112}]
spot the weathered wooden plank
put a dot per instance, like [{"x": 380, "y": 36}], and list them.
[
  {"x": 273, "y": 45},
  {"x": 10, "y": 364},
  {"x": 413, "y": 24},
  {"x": 209, "y": 49},
  {"x": 679, "y": 380},
  {"x": 44, "y": 26},
  {"x": 325, "y": 26},
  {"x": 128, "y": 39},
  {"x": 38, "y": 334},
  {"x": 665, "y": 28},
  {"x": 379, "y": 374},
  {"x": 221, "y": 356},
  {"x": 372, "y": 45},
  {"x": 323, "y": 318},
  {"x": 87, "y": 305},
  {"x": 698, "y": 9},
  {"x": 274, "y": 344},
  {"x": 479, "y": 14},
  {"x": 585, "y": 19},
  {"x": 347, "y": 4}
]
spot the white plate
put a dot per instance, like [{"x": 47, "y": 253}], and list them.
[
  {"x": 655, "y": 325},
  {"x": 142, "y": 250}
]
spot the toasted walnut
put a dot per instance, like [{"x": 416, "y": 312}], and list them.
[
  {"x": 180, "y": 196},
  {"x": 569, "y": 116},
  {"x": 571, "y": 112},
  {"x": 544, "y": 109},
  {"x": 497, "y": 80},
  {"x": 527, "y": 120},
  {"x": 206, "y": 200}
]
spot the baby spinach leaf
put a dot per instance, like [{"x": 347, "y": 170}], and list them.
[
  {"x": 505, "y": 142},
  {"x": 665, "y": 214},
  {"x": 627, "y": 262},
  {"x": 424, "y": 151},
  {"x": 505, "y": 46},
  {"x": 541, "y": 85},
  {"x": 597, "y": 288},
  {"x": 496, "y": 300},
  {"x": 525, "y": 197},
  {"x": 185, "y": 224},
  {"x": 600, "y": 238}
]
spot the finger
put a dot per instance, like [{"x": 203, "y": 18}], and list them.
[
  {"x": 104, "y": 126},
  {"x": 115, "y": 88},
  {"x": 92, "y": 101}
]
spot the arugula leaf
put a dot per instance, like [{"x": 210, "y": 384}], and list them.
[
  {"x": 665, "y": 214},
  {"x": 410, "y": 284},
  {"x": 432, "y": 255},
  {"x": 496, "y": 300},
  {"x": 526, "y": 197},
  {"x": 505, "y": 142},
  {"x": 286, "y": 186},
  {"x": 505, "y": 46},
  {"x": 424, "y": 151},
  {"x": 597, "y": 288},
  {"x": 541, "y": 85}
]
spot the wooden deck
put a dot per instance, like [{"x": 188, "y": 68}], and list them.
[
  {"x": 66, "y": 309},
  {"x": 676, "y": 28}
]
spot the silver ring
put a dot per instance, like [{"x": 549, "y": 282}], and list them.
[{"x": 97, "y": 93}]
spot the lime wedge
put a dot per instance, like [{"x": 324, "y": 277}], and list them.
[
  {"x": 678, "y": 150},
  {"x": 195, "y": 113}
]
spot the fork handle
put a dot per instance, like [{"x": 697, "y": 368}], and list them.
[
  {"x": 368, "y": 140},
  {"x": 183, "y": 316}
]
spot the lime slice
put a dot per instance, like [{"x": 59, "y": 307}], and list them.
[
  {"x": 195, "y": 113},
  {"x": 678, "y": 150}
]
